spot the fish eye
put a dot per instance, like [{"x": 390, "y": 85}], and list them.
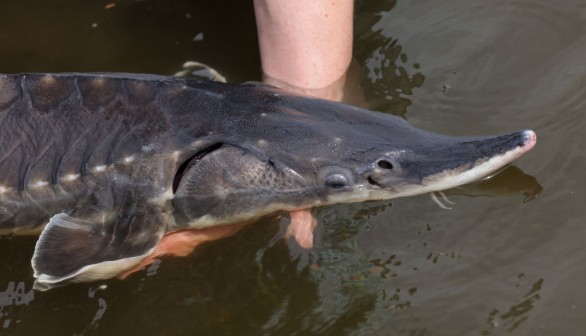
[{"x": 336, "y": 181}]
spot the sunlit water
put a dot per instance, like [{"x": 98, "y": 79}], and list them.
[{"x": 508, "y": 261}]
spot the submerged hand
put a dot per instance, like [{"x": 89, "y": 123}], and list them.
[
  {"x": 183, "y": 242},
  {"x": 301, "y": 228}
]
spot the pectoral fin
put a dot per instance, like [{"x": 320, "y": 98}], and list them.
[{"x": 72, "y": 249}]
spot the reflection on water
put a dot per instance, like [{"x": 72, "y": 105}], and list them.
[
  {"x": 491, "y": 265},
  {"x": 15, "y": 295},
  {"x": 516, "y": 314},
  {"x": 507, "y": 182},
  {"x": 389, "y": 80}
]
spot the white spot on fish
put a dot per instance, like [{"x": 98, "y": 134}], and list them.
[
  {"x": 100, "y": 169},
  {"x": 128, "y": 159},
  {"x": 3, "y": 189},
  {"x": 313, "y": 160},
  {"x": 70, "y": 177},
  {"x": 162, "y": 198},
  {"x": 397, "y": 153},
  {"x": 337, "y": 140},
  {"x": 262, "y": 142},
  {"x": 98, "y": 82},
  {"x": 263, "y": 114},
  {"x": 39, "y": 184},
  {"x": 175, "y": 155},
  {"x": 147, "y": 148},
  {"x": 48, "y": 80},
  {"x": 197, "y": 143}
]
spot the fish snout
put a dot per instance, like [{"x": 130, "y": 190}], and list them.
[{"x": 528, "y": 140}]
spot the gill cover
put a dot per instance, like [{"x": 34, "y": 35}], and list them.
[{"x": 231, "y": 183}]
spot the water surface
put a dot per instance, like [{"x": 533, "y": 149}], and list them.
[{"x": 507, "y": 261}]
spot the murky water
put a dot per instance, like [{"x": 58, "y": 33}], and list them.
[{"x": 508, "y": 261}]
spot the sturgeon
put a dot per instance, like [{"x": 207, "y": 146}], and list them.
[{"x": 103, "y": 166}]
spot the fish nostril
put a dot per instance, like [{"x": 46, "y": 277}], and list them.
[{"x": 384, "y": 164}]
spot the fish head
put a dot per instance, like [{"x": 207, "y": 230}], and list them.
[{"x": 294, "y": 152}]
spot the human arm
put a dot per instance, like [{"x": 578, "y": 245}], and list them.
[{"x": 306, "y": 45}]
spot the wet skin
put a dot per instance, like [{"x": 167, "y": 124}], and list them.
[{"x": 114, "y": 169}]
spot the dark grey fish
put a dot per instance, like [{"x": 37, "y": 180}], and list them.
[{"x": 103, "y": 165}]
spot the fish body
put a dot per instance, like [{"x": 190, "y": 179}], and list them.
[{"x": 102, "y": 166}]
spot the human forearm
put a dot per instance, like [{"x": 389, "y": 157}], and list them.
[{"x": 305, "y": 43}]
